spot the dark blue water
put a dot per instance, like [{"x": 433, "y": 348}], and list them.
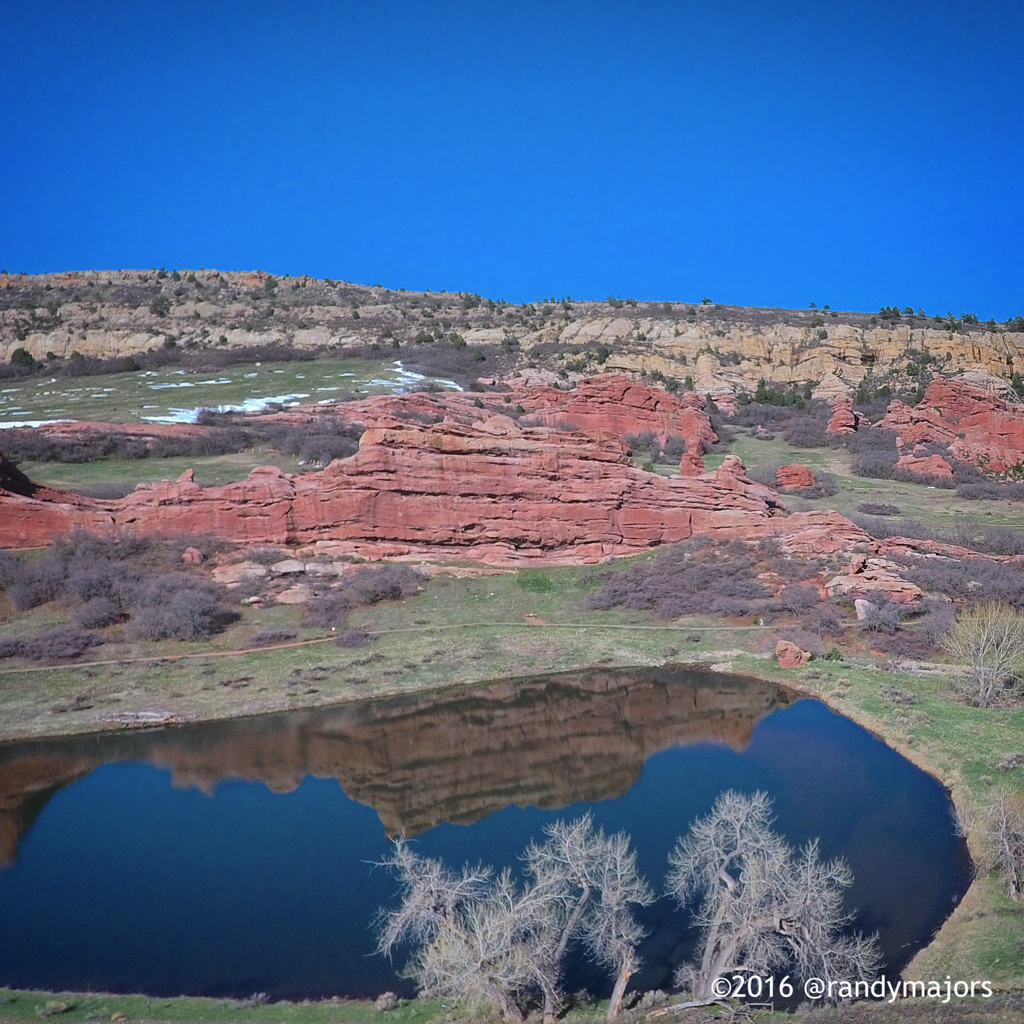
[{"x": 123, "y": 882}]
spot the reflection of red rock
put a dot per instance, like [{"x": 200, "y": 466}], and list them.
[
  {"x": 794, "y": 477},
  {"x": 844, "y": 420},
  {"x": 425, "y": 758},
  {"x": 926, "y": 466},
  {"x": 978, "y": 425}
]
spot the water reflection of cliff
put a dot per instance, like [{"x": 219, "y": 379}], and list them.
[{"x": 424, "y": 758}]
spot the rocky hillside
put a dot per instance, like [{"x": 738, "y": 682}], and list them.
[{"x": 121, "y": 313}]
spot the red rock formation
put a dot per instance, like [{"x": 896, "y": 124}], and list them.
[
  {"x": 926, "y": 466},
  {"x": 844, "y": 420},
  {"x": 789, "y": 655},
  {"x": 691, "y": 465},
  {"x": 978, "y": 425},
  {"x": 492, "y": 492},
  {"x": 794, "y": 477}
]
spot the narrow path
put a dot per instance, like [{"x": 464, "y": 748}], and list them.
[{"x": 156, "y": 658}]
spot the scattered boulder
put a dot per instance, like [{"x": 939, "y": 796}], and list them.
[
  {"x": 288, "y": 567},
  {"x": 794, "y": 477},
  {"x": 790, "y": 656},
  {"x": 864, "y": 608},
  {"x": 934, "y": 466},
  {"x": 844, "y": 420},
  {"x": 240, "y": 572},
  {"x": 192, "y": 556}
]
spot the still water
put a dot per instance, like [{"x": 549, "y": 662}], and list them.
[{"x": 231, "y": 858}]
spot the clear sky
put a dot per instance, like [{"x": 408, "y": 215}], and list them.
[{"x": 760, "y": 152}]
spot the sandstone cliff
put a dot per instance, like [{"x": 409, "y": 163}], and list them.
[{"x": 119, "y": 313}]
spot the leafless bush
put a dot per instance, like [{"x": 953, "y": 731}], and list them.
[
  {"x": 1000, "y": 826},
  {"x": 970, "y": 581},
  {"x": 269, "y": 637},
  {"x": 989, "y": 641},
  {"x": 97, "y": 612},
  {"x": 877, "y": 464},
  {"x": 105, "y": 492},
  {"x": 881, "y": 617},
  {"x": 688, "y": 579},
  {"x": 366, "y": 586},
  {"x": 55, "y": 644},
  {"x": 876, "y": 508},
  {"x": 354, "y": 638},
  {"x": 176, "y": 606},
  {"x": 919, "y": 637},
  {"x": 266, "y": 554}
]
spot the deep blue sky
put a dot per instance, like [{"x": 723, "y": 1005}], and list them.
[{"x": 761, "y": 153}]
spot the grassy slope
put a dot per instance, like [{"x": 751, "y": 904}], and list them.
[{"x": 961, "y": 745}]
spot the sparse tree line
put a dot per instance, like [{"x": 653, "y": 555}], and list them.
[{"x": 500, "y": 944}]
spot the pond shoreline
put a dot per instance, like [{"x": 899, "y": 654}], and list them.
[{"x": 975, "y": 902}]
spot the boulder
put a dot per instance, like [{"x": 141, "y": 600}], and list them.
[
  {"x": 192, "y": 556},
  {"x": 240, "y": 572},
  {"x": 691, "y": 465},
  {"x": 288, "y": 567},
  {"x": 789, "y": 655},
  {"x": 794, "y": 477},
  {"x": 863, "y": 608},
  {"x": 844, "y": 420},
  {"x": 934, "y": 466}
]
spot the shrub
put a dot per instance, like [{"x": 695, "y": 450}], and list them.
[
  {"x": 875, "y": 463},
  {"x": 366, "y": 586},
  {"x": 58, "y": 644},
  {"x": 179, "y": 606},
  {"x": 875, "y": 508},
  {"x": 268, "y": 637}
]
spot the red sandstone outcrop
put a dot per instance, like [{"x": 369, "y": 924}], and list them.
[
  {"x": 492, "y": 492},
  {"x": 691, "y": 465},
  {"x": 789, "y": 655},
  {"x": 870, "y": 577},
  {"x": 926, "y": 466},
  {"x": 794, "y": 477},
  {"x": 844, "y": 420},
  {"x": 979, "y": 425}
]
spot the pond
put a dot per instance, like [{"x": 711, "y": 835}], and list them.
[{"x": 238, "y": 857}]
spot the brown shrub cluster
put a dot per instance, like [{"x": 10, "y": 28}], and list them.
[
  {"x": 366, "y": 586},
  {"x": 102, "y": 581}
]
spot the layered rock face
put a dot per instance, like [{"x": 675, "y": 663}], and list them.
[
  {"x": 491, "y": 491},
  {"x": 794, "y": 477},
  {"x": 926, "y": 466},
  {"x": 423, "y": 759},
  {"x": 977, "y": 424},
  {"x": 112, "y": 313}
]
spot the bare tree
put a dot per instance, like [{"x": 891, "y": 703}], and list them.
[
  {"x": 480, "y": 937},
  {"x": 762, "y": 905},
  {"x": 466, "y": 932},
  {"x": 1000, "y": 826},
  {"x": 989, "y": 640},
  {"x": 585, "y": 882}
]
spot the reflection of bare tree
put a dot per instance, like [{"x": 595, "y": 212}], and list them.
[
  {"x": 483, "y": 938},
  {"x": 763, "y": 906},
  {"x": 424, "y": 758}
]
